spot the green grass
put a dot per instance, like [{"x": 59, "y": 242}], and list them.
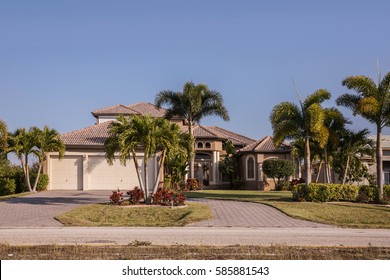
[
  {"x": 344, "y": 214},
  {"x": 110, "y": 215},
  {"x": 145, "y": 251}
]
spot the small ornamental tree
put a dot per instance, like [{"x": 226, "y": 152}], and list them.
[{"x": 278, "y": 169}]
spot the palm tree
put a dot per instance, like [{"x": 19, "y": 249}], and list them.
[
  {"x": 151, "y": 134},
  {"x": 45, "y": 141},
  {"x": 372, "y": 102},
  {"x": 3, "y": 137},
  {"x": 304, "y": 121},
  {"x": 354, "y": 146},
  {"x": 193, "y": 104},
  {"x": 21, "y": 143}
]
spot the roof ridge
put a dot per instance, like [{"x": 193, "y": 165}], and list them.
[
  {"x": 231, "y": 132},
  {"x": 262, "y": 141}
]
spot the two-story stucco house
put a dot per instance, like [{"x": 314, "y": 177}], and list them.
[{"x": 84, "y": 166}]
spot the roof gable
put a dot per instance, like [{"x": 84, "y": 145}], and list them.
[
  {"x": 266, "y": 144},
  {"x": 115, "y": 110}
]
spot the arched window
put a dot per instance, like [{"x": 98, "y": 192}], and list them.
[
  {"x": 250, "y": 167},
  {"x": 200, "y": 145},
  {"x": 208, "y": 145}
]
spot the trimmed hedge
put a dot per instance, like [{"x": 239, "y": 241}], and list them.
[{"x": 338, "y": 192}]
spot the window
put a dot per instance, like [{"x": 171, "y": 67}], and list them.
[
  {"x": 250, "y": 168},
  {"x": 200, "y": 145},
  {"x": 208, "y": 145}
]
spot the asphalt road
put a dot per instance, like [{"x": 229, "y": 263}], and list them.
[{"x": 198, "y": 235}]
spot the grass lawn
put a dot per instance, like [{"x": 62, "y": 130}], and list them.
[
  {"x": 344, "y": 214},
  {"x": 110, "y": 215}
]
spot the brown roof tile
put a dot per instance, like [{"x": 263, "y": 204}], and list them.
[
  {"x": 90, "y": 136},
  {"x": 266, "y": 145},
  {"x": 115, "y": 110},
  {"x": 221, "y": 133},
  {"x": 145, "y": 108}
]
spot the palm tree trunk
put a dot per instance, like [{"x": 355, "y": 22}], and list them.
[
  {"x": 26, "y": 172},
  {"x": 141, "y": 185},
  {"x": 159, "y": 172},
  {"x": 307, "y": 162},
  {"x": 146, "y": 175},
  {"x": 37, "y": 178},
  {"x": 190, "y": 157},
  {"x": 346, "y": 171},
  {"x": 379, "y": 164},
  {"x": 319, "y": 171},
  {"x": 326, "y": 167}
]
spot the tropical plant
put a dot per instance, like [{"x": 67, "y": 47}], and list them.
[
  {"x": 304, "y": 121},
  {"x": 45, "y": 141},
  {"x": 352, "y": 148},
  {"x": 229, "y": 164},
  {"x": 3, "y": 138},
  {"x": 21, "y": 143},
  {"x": 193, "y": 104},
  {"x": 36, "y": 142},
  {"x": 153, "y": 135},
  {"x": 372, "y": 102}
]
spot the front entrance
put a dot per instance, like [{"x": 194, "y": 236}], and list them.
[{"x": 202, "y": 168}]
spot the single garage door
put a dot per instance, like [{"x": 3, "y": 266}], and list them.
[
  {"x": 103, "y": 176},
  {"x": 66, "y": 173}
]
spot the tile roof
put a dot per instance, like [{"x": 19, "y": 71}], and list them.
[
  {"x": 94, "y": 135},
  {"x": 115, "y": 110},
  {"x": 266, "y": 145},
  {"x": 145, "y": 108},
  {"x": 221, "y": 133}
]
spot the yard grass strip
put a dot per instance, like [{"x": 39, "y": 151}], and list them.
[
  {"x": 133, "y": 216},
  {"x": 343, "y": 214}
]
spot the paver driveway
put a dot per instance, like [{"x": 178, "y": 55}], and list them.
[{"x": 39, "y": 210}]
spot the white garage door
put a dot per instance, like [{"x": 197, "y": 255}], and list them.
[
  {"x": 66, "y": 173},
  {"x": 103, "y": 176}
]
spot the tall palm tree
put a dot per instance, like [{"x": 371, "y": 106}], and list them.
[
  {"x": 45, "y": 141},
  {"x": 372, "y": 102},
  {"x": 193, "y": 104},
  {"x": 3, "y": 137},
  {"x": 304, "y": 121}
]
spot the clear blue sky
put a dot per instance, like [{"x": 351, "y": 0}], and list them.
[{"x": 60, "y": 60}]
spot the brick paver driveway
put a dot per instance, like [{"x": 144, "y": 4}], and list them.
[{"x": 39, "y": 210}]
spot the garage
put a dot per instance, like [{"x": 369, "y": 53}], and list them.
[
  {"x": 67, "y": 173},
  {"x": 103, "y": 176}
]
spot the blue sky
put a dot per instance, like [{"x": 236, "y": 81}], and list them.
[{"x": 60, "y": 60}]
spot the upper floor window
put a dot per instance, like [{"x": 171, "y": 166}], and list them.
[
  {"x": 200, "y": 145},
  {"x": 208, "y": 145}
]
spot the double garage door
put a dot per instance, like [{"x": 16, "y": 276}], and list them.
[{"x": 69, "y": 174}]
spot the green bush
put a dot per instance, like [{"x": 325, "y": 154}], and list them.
[
  {"x": 43, "y": 182},
  {"x": 325, "y": 192},
  {"x": 368, "y": 194},
  {"x": 7, "y": 186},
  {"x": 283, "y": 186}
]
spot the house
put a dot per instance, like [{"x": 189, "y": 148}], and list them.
[{"x": 84, "y": 166}]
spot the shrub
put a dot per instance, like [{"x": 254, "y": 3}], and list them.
[
  {"x": 136, "y": 195},
  {"x": 43, "y": 182},
  {"x": 325, "y": 192},
  {"x": 166, "y": 197},
  {"x": 191, "y": 184},
  {"x": 116, "y": 197},
  {"x": 7, "y": 186},
  {"x": 283, "y": 186},
  {"x": 368, "y": 194}
]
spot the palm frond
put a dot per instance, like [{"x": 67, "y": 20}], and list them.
[
  {"x": 318, "y": 96},
  {"x": 362, "y": 85}
]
